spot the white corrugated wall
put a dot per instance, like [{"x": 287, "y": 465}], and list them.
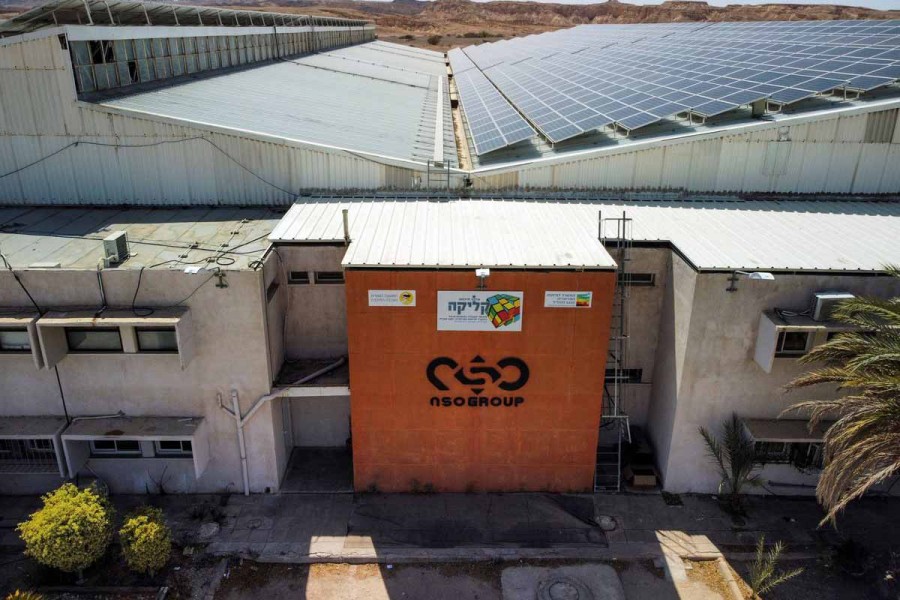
[
  {"x": 854, "y": 153},
  {"x": 39, "y": 115}
]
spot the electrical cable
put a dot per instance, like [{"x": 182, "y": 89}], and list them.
[{"x": 150, "y": 145}]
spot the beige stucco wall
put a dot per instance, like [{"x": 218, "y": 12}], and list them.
[
  {"x": 230, "y": 352},
  {"x": 316, "y": 314},
  {"x": 706, "y": 371}
]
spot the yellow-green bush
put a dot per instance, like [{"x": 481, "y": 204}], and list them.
[
  {"x": 146, "y": 541},
  {"x": 20, "y": 595},
  {"x": 71, "y": 531}
]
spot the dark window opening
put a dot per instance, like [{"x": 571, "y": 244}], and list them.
[
  {"x": 133, "y": 70},
  {"x": 624, "y": 375},
  {"x": 324, "y": 277},
  {"x": 116, "y": 447},
  {"x": 101, "y": 52},
  {"x": 792, "y": 343},
  {"x": 636, "y": 279},
  {"x": 174, "y": 448},
  {"x": 94, "y": 340},
  {"x": 298, "y": 277},
  {"x": 15, "y": 340},
  {"x": 158, "y": 339}
]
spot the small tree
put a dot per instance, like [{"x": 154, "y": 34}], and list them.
[
  {"x": 736, "y": 458},
  {"x": 71, "y": 531},
  {"x": 24, "y": 595},
  {"x": 763, "y": 575},
  {"x": 146, "y": 540}
]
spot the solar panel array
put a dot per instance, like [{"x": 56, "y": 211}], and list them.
[
  {"x": 493, "y": 122},
  {"x": 569, "y": 82}
]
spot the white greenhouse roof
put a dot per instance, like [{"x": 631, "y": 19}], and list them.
[
  {"x": 374, "y": 98},
  {"x": 774, "y": 235}
]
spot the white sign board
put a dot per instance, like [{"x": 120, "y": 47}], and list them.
[
  {"x": 568, "y": 299},
  {"x": 479, "y": 311},
  {"x": 392, "y": 297}
]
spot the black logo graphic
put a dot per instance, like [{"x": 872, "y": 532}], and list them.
[{"x": 509, "y": 375}]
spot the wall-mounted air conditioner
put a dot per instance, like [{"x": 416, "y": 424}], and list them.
[{"x": 824, "y": 304}]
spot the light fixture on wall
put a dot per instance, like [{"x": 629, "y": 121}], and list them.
[
  {"x": 752, "y": 275},
  {"x": 482, "y": 275}
]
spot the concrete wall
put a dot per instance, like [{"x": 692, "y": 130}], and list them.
[
  {"x": 316, "y": 322},
  {"x": 319, "y": 422},
  {"x": 230, "y": 352},
  {"x": 705, "y": 366},
  {"x": 644, "y": 306}
]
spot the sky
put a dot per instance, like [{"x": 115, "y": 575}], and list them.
[{"x": 877, "y": 4}]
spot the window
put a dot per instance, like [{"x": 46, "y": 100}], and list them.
[
  {"x": 159, "y": 339},
  {"x": 94, "y": 340},
  {"x": 14, "y": 340},
  {"x": 174, "y": 448},
  {"x": 323, "y": 277},
  {"x": 807, "y": 456},
  {"x": 636, "y": 279},
  {"x": 792, "y": 343},
  {"x": 298, "y": 277},
  {"x": 30, "y": 455},
  {"x": 115, "y": 447},
  {"x": 772, "y": 452},
  {"x": 625, "y": 375}
]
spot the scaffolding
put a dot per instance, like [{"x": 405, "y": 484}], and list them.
[{"x": 615, "y": 235}]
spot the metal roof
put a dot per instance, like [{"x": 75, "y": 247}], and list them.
[
  {"x": 712, "y": 235},
  {"x": 457, "y": 234},
  {"x": 113, "y": 12},
  {"x": 367, "y": 98},
  {"x": 160, "y": 238}
]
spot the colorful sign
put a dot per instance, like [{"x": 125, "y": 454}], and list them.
[
  {"x": 392, "y": 297},
  {"x": 479, "y": 311},
  {"x": 568, "y": 299}
]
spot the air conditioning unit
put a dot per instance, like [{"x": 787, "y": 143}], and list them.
[
  {"x": 115, "y": 247},
  {"x": 824, "y": 304}
]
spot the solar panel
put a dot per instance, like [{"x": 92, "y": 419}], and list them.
[
  {"x": 492, "y": 121},
  {"x": 572, "y": 81}
]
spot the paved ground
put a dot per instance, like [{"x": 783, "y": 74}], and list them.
[{"x": 488, "y": 532}]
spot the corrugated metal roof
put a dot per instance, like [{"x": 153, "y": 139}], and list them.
[
  {"x": 362, "y": 99},
  {"x": 167, "y": 239},
  {"x": 712, "y": 235},
  {"x": 422, "y": 233}
]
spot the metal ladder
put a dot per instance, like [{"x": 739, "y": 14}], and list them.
[
  {"x": 614, "y": 429},
  {"x": 438, "y": 176}
]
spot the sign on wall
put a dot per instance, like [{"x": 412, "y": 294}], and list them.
[
  {"x": 479, "y": 311},
  {"x": 392, "y": 297},
  {"x": 568, "y": 299}
]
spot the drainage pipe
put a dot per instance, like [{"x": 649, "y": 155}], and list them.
[{"x": 241, "y": 420}]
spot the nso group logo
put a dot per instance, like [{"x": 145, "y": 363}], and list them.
[{"x": 489, "y": 385}]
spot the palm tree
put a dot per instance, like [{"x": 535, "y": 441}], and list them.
[
  {"x": 735, "y": 456},
  {"x": 862, "y": 448},
  {"x": 763, "y": 574}
]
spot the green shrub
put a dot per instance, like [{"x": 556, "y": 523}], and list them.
[
  {"x": 434, "y": 40},
  {"x": 146, "y": 540},
  {"x": 20, "y": 595},
  {"x": 71, "y": 531}
]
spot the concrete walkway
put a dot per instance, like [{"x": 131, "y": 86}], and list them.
[{"x": 450, "y": 527}]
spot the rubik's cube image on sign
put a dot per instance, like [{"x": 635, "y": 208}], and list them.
[{"x": 504, "y": 309}]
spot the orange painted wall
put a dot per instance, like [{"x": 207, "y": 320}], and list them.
[{"x": 401, "y": 441}]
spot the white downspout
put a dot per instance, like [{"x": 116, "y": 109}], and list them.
[
  {"x": 242, "y": 444},
  {"x": 240, "y": 421}
]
